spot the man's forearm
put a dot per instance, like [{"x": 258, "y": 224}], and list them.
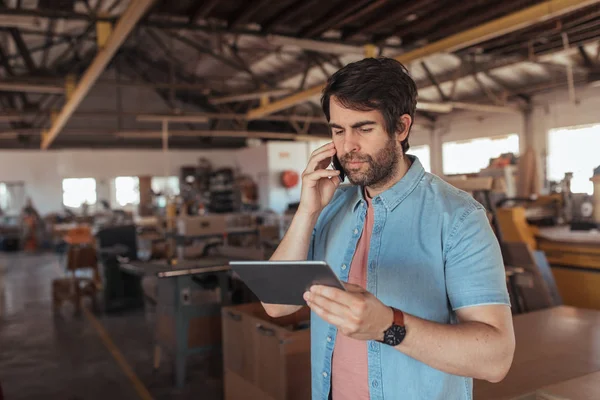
[
  {"x": 473, "y": 349},
  {"x": 294, "y": 246}
]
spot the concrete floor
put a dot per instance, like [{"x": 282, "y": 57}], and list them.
[{"x": 49, "y": 356}]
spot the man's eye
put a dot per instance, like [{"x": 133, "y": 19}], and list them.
[
  {"x": 338, "y": 132},
  {"x": 365, "y": 130}
]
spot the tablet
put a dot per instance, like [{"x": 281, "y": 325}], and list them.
[{"x": 284, "y": 282}]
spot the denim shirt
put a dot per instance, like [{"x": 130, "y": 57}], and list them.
[{"x": 432, "y": 252}]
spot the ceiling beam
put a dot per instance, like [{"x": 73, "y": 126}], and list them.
[
  {"x": 36, "y": 19},
  {"x": 293, "y": 10},
  {"x": 477, "y": 18},
  {"x": 500, "y": 26},
  {"x": 12, "y": 86},
  {"x": 248, "y": 96},
  {"x": 188, "y": 117},
  {"x": 57, "y": 85},
  {"x": 23, "y": 50},
  {"x": 421, "y": 24},
  {"x": 134, "y": 12},
  {"x": 333, "y": 17},
  {"x": 359, "y": 14},
  {"x": 209, "y": 133},
  {"x": 490, "y": 108},
  {"x": 434, "y": 82},
  {"x": 246, "y": 13},
  {"x": 194, "y": 44},
  {"x": 395, "y": 18},
  {"x": 202, "y": 9},
  {"x": 315, "y": 45}
]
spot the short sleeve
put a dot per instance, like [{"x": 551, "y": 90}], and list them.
[{"x": 473, "y": 263}]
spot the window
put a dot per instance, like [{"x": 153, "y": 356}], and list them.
[
  {"x": 77, "y": 191},
  {"x": 12, "y": 197},
  {"x": 574, "y": 150},
  {"x": 471, "y": 156},
  {"x": 127, "y": 190},
  {"x": 423, "y": 154},
  {"x": 4, "y": 199},
  {"x": 165, "y": 185}
]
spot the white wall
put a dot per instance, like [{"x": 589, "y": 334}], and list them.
[
  {"x": 285, "y": 156},
  {"x": 43, "y": 172}
]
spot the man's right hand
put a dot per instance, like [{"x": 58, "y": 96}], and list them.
[{"x": 317, "y": 187}]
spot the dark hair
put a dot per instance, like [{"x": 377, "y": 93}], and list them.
[{"x": 381, "y": 84}]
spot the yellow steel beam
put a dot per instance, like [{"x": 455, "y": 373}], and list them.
[
  {"x": 370, "y": 51},
  {"x": 103, "y": 32},
  {"x": 518, "y": 20},
  {"x": 128, "y": 20}
]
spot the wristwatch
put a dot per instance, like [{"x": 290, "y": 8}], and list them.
[{"x": 394, "y": 335}]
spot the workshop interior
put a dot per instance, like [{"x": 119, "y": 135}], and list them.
[{"x": 146, "y": 144}]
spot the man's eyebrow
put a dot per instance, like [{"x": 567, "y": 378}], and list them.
[
  {"x": 363, "y": 123},
  {"x": 353, "y": 126}
]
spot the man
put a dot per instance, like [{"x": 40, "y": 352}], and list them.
[{"x": 426, "y": 307}]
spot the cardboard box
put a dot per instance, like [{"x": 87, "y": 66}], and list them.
[{"x": 265, "y": 358}]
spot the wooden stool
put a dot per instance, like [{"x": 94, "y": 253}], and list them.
[{"x": 73, "y": 290}]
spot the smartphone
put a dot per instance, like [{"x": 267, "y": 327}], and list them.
[{"x": 337, "y": 165}]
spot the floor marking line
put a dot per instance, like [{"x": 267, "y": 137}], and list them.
[{"x": 139, "y": 387}]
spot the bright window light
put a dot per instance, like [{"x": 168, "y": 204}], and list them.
[
  {"x": 574, "y": 150},
  {"x": 4, "y": 199},
  {"x": 471, "y": 156},
  {"x": 165, "y": 185},
  {"x": 127, "y": 190},
  {"x": 423, "y": 154},
  {"x": 77, "y": 191}
]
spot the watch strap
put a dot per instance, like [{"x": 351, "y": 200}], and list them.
[{"x": 398, "y": 317}]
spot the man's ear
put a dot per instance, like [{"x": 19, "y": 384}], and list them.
[{"x": 404, "y": 125}]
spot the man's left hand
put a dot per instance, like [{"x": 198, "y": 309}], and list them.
[{"x": 355, "y": 312}]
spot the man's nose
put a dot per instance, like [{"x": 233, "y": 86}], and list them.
[{"x": 351, "y": 143}]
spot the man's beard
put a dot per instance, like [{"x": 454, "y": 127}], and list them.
[{"x": 380, "y": 169}]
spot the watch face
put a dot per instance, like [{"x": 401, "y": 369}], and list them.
[{"x": 394, "y": 335}]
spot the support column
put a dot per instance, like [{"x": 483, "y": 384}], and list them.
[
  {"x": 527, "y": 137},
  {"x": 436, "y": 150}
]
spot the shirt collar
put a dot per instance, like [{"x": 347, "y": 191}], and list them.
[{"x": 401, "y": 189}]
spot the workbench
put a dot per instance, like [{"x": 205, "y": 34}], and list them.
[
  {"x": 575, "y": 260},
  {"x": 188, "y": 309},
  {"x": 553, "y": 346}
]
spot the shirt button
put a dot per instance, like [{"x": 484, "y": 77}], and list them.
[
  {"x": 344, "y": 267},
  {"x": 324, "y": 374},
  {"x": 329, "y": 338},
  {"x": 373, "y": 345},
  {"x": 375, "y": 384},
  {"x": 355, "y": 231}
]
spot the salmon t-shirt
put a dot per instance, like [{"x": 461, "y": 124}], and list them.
[{"x": 350, "y": 369}]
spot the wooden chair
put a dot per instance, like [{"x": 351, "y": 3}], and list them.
[{"x": 74, "y": 288}]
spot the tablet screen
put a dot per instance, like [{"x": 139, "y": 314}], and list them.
[{"x": 284, "y": 282}]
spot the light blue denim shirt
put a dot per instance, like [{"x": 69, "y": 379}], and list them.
[{"x": 432, "y": 252}]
